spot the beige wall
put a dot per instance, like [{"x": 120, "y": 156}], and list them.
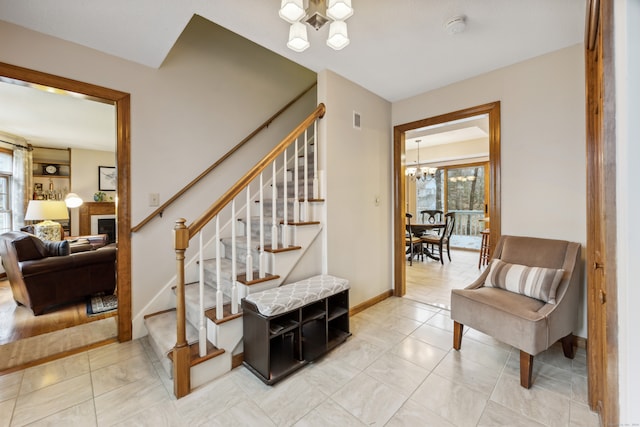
[
  {"x": 356, "y": 167},
  {"x": 542, "y": 136},
  {"x": 84, "y": 176},
  {"x": 213, "y": 89}
]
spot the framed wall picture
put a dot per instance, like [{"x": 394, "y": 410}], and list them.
[{"x": 107, "y": 178}]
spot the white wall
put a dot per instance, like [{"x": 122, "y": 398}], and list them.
[
  {"x": 212, "y": 90},
  {"x": 84, "y": 177},
  {"x": 627, "y": 66},
  {"x": 356, "y": 165},
  {"x": 542, "y": 141}
]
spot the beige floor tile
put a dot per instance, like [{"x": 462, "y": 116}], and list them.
[
  {"x": 543, "y": 375},
  {"x": 10, "y": 385},
  {"x": 245, "y": 413},
  {"x": 80, "y": 415},
  {"x": 420, "y": 314},
  {"x": 158, "y": 415},
  {"x": 369, "y": 400},
  {"x": 128, "y": 400},
  {"x": 580, "y": 389},
  {"x": 545, "y": 406},
  {"x": 300, "y": 397},
  {"x": 6, "y": 412},
  {"x": 329, "y": 413},
  {"x": 122, "y": 373},
  {"x": 328, "y": 375},
  {"x": 442, "y": 321},
  {"x": 50, "y": 373},
  {"x": 484, "y": 338},
  {"x": 497, "y": 415},
  {"x": 434, "y": 336},
  {"x": 210, "y": 400},
  {"x": 582, "y": 416},
  {"x": 419, "y": 352},
  {"x": 52, "y": 399},
  {"x": 397, "y": 373},
  {"x": 113, "y": 353},
  {"x": 452, "y": 401},
  {"x": 357, "y": 352},
  {"x": 469, "y": 373},
  {"x": 490, "y": 356},
  {"x": 380, "y": 336},
  {"x": 414, "y": 414}
]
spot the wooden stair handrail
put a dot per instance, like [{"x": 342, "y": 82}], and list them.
[
  {"x": 253, "y": 173},
  {"x": 239, "y": 145}
]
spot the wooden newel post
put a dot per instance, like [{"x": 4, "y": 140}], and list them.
[{"x": 181, "y": 359}]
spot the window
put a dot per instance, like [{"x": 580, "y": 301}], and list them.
[{"x": 6, "y": 166}]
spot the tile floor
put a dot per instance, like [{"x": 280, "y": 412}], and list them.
[{"x": 398, "y": 369}]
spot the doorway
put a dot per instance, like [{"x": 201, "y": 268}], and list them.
[
  {"x": 401, "y": 132},
  {"x": 121, "y": 102}
]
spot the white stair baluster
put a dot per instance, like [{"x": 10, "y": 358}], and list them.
[
  {"x": 274, "y": 208},
  {"x": 202, "y": 330},
  {"x": 305, "y": 206},
  {"x": 249, "y": 260},
  {"x": 219, "y": 299},
  {"x": 285, "y": 225},
  {"x": 234, "y": 267},
  {"x": 296, "y": 199},
  {"x": 316, "y": 188},
  {"x": 263, "y": 254}
]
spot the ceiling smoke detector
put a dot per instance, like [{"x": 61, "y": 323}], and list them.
[{"x": 456, "y": 24}]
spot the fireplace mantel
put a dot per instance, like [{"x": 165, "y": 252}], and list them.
[{"x": 93, "y": 208}]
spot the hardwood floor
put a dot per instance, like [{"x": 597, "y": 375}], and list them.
[
  {"x": 430, "y": 282},
  {"x": 18, "y": 322}
]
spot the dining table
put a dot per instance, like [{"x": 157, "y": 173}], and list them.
[{"x": 420, "y": 228}]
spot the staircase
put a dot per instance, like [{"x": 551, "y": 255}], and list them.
[{"x": 253, "y": 247}]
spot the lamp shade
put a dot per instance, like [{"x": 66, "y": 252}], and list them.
[
  {"x": 338, "y": 37},
  {"x": 72, "y": 200},
  {"x": 339, "y": 10},
  {"x": 46, "y": 209},
  {"x": 291, "y": 10},
  {"x": 298, "y": 41}
]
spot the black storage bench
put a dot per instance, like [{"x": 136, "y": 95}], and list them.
[{"x": 289, "y": 326}]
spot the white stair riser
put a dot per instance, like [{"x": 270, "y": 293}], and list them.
[{"x": 225, "y": 335}]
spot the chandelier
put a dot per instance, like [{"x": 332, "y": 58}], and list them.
[
  {"x": 420, "y": 173},
  {"x": 318, "y": 13}
]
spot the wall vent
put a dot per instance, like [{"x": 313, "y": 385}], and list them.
[{"x": 356, "y": 120}]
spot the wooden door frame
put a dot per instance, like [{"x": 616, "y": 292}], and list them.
[
  {"x": 399, "y": 180},
  {"x": 601, "y": 259},
  {"x": 122, "y": 103}
]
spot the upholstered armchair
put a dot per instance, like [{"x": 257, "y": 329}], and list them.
[{"x": 527, "y": 298}]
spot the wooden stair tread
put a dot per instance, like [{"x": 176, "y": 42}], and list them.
[
  {"x": 146, "y": 316},
  {"x": 226, "y": 314},
  {"x": 282, "y": 249},
  {"x": 296, "y": 224},
  {"x": 242, "y": 278},
  {"x": 194, "y": 353}
]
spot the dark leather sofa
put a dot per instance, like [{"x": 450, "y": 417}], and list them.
[{"x": 46, "y": 274}]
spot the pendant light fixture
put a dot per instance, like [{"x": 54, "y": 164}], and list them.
[{"x": 317, "y": 13}]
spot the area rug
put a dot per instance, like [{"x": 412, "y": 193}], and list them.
[{"x": 101, "y": 304}]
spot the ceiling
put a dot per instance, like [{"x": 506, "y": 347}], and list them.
[{"x": 399, "y": 48}]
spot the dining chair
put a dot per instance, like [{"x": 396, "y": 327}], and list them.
[
  {"x": 434, "y": 243},
  {"x": 412, "y": 242},
  {"x": 432, "y": 215}
]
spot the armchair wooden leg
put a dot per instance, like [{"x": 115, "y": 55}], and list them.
[
  {"x": 457, "y": 335},
  {"x": 568, "y": 346},
  {"x": 526, "y": 369}
]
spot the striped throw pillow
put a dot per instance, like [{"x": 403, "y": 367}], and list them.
[{"x": 535, "y": 282}]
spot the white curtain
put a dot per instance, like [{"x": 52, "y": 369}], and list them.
[{"x": 21, "y": 185}]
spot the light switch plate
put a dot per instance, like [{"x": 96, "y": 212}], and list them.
[{"x": 154, "y": 199}]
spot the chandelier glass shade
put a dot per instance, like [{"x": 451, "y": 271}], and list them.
[
  {"x": 318, "y": 13},
  {"x": 418, "y": 172}
]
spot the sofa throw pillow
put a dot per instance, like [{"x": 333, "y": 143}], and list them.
[
  {"x": 535, "y": 282},
  {"x": 60, "y": 248},
  {"x": 29, "y": 247}
]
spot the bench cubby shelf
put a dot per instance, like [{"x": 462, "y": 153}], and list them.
[{"x": 276, "y": 346}]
